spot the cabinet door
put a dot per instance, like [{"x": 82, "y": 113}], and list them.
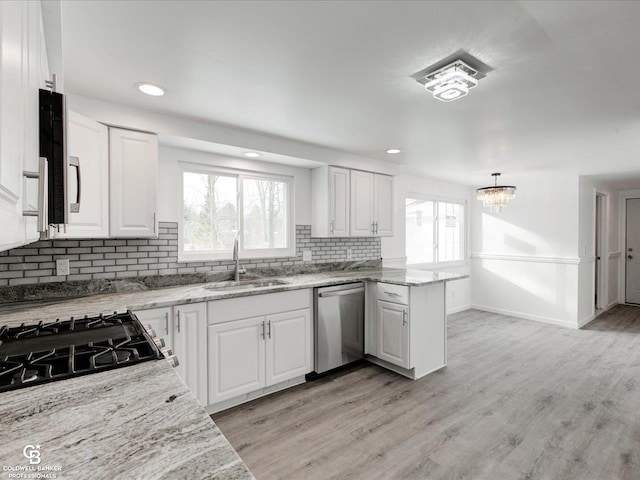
[
  {"x": 383, "y": 193},
  {"x": 87, "y": 178},
  {"x": 133, "y": 163},
  {"x": 361, "y": 203},
  {"x": 288, "y": 345},
  {"x": 160, "y": 319},
  {"x": 38, "y": 74},
  {"x": 14, "y": 94},
  {"x": 338, "y": 202},
  {"x": 236, "y": 358},
  {"x": 393, "y": 333},
  {"x": 190, "y": 346}
]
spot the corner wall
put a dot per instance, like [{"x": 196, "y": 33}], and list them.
[{"x": 524, "y": 260}]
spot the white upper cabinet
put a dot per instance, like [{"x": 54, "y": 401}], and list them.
[
  {"x": 87, "y": 178},
  {"x": 351, "y": 203},
  {"x": 383, "y": 205},
  {"x": 23, "y": 70},
  {"x": 133, "y": 183},
  {"x": 330, "y": 200},
  {"x": 362, "y": 211}
]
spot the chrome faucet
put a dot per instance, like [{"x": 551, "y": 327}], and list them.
[{"x": 236, "y": 258}]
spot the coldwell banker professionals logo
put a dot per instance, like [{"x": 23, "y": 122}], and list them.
[
  {"x": 32, "y": 470},
  {"x": 32, "y": 453}
]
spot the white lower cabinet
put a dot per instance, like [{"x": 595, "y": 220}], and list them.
[
  {"x": 288, "y": 352},
  {"x": 236, "y": 358},
  {"x": 249, "y": 354},
  {"x": 190, "y": 346},
  {"x": 393, "y": 329},
  {"x": 184, "y": 329},
  {"x": 406, "y": 328}
]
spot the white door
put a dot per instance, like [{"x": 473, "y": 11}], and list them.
[
  {"x": 383, "y": 193},
  {"x": 236, "y": 358},
  {"x": 190, "y": 346},
  {"x": 133, "y": 159},
  {"x": 339, "y": 202},
  {"x": 393, "y": 333},
  {"x": 160, "y": 319},
  {"x": 14, "y": 94},
  {"x": 633, "y": 251},
  {"x": 87, "y": 178},
  {"x": 361, "y": 203},
  {"x": 288, "y": 346}
]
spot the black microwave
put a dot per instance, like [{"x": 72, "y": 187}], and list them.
[{"x": 53, "y": 148}]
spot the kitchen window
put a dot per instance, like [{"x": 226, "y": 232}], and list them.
[
  {"x": 435, "y": 232},
  {"x": 216, "y": 204}
]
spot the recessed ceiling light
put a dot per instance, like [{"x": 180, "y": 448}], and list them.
[
  {"x": 151, "y": 89},
  {"x": 252, "y": 154},
  {"x": 393, "y": 151}
]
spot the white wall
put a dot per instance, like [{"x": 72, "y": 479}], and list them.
[
  {"x": 393, "y": 248},
  {"x": 525, "y": 261},
  {"x": 170, "y": 175},
  {"x": 170, "y": 126}
]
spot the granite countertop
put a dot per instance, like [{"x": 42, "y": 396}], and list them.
[
  {"x": 138, "y": 422},
  {"x": 50, "y": 310}
]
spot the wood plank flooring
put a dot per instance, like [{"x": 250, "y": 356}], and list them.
[{"x": 518, "y": 400}]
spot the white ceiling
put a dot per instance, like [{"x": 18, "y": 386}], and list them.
[{"x": 562, "y": 96}]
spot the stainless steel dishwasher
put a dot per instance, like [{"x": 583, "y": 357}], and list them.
[{"x": 339, "y": 325}]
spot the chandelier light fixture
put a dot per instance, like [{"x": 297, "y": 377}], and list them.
[
  {"x": 497, "y": 196},
  {"x": 451, "y": 82}
]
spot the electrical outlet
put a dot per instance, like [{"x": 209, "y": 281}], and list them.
[
  {"x": 349, "y": 254},
  {"x": 62, "y": 267},
  {"x": 306, "y": 255}
]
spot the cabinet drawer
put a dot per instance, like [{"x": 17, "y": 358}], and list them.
[
  {"x": 393, "y": 293},
  {"x": 229, "y": 309}
]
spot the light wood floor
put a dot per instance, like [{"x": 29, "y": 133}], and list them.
[{"x": 518, "y": 400}]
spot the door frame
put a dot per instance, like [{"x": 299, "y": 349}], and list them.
[
  {"x": 622, "y": 265},
  {"x": 601, "y": 249}
]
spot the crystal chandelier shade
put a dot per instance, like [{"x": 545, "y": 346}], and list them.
[{"x": 496, "y": 197}]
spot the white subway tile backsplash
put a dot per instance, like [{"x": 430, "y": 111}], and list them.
[{"x": 93, "y": 259}]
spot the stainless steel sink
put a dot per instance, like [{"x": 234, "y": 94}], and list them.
[{"x": 245, "y": 285}]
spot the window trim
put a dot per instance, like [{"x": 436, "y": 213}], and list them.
[
  {"x": 465, "y": 248},
  {"x": 240, "y": 175}
]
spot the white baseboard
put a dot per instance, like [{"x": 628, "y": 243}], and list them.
[
  {"x": 458, "y": 309},
  {"x": 526, "y": 316},
  {"x": 586, "y": 320},
  {"x": 611, "y": 305}
]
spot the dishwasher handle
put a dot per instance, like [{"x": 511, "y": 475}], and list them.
[{"x": 339, "y": 293}]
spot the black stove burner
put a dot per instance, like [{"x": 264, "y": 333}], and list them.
[{"x": 34, "y": 354}]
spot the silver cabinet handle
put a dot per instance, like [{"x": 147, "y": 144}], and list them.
[
  {"x": 393, "y": 294},
  {"x": 263, "y": 336},
  {"x": 166, "y": 323},
  {"x": 404, "y": 317},
  {"x": 41, "y": 176},
  {"x": 269, "y": 325},
  {"x": 154, "y": 222},
  {"x": 331, "y": 226},
  {"x": 373, "y": 227},
  {"x": 629, "y": 257},
  {"x": 178, "y": 324},
  {"x": 75, "y": 162}
]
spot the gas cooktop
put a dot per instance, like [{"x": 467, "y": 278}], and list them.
[{"x": 35, "y": 354}]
